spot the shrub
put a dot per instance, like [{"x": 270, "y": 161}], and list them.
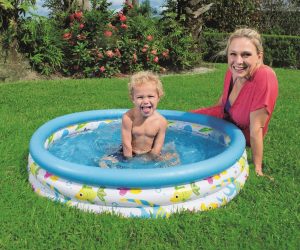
[
  {"x": 182, "y": 50},
  {"x": 282, "y": 51},
  {"x": 279, "y": 51},
  {"x": 225, "y": 15},
  {"x": 212, "y": 43},
  {"x": 102, "y": 43},
  {"x": 86, "y": 40},
  {"x": 40, "y": 41}
]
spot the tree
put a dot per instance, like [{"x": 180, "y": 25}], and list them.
[
  {"x": 194, "y": 11},
  {"x": 58, "y": 6},
  {"x": 10, "y": 14},
  {"x": 11, "y": 10},
  {"x": 226, "y": 16},
  {"x": 281, "y": 17},
  {"x": 189, "y": 13}
]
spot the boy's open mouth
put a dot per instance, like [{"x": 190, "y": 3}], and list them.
[{"x": 146, "y": 109}]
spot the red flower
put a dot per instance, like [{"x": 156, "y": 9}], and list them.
[
  {"x": 129, "y": 5},
  {"x": 149, "y": 38},
  {"x": 154, "y": 52},
  {"x": 99, "y": 55},
  {"x": 102, "y": 69},
  {"x": 165, "y": 53},
  {"x": 109, "y": 53},
  {"x": 107, "y": 33},
  {"x": 135, "y": 57},
  {"x": 71, "y": 17},
  {"x": 111, "y": 26},
  {"x": 145, "y": 48},
  {"x": 122, "y": 17},
  {"x": 117, "y": 52},
  {"x": 78, "y": 15},
  {"x": 81, "y": 26},
  {"x": 124, "y": 26},
  {"x": 67, "y": 36},
  {"x": 155, "y": 59}
]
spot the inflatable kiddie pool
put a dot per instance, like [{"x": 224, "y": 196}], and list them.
[{"x": 158, "y": 192}]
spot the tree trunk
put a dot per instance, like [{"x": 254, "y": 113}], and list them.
[{"x": 194, "y": 17}]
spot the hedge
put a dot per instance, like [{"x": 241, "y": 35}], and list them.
[{"x": 279, "y": 50}]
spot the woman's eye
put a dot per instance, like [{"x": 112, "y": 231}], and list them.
[{"x": 246, "y": 54}]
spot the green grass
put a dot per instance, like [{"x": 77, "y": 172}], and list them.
[{"x": 263, "y": 216}]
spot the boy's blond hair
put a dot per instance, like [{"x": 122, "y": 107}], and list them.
[{"x": 144, "y": 77}]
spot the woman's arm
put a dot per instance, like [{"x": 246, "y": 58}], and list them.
[{"x": 258, "y": 120}]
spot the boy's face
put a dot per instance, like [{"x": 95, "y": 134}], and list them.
[{"x": 145, "y": 98}]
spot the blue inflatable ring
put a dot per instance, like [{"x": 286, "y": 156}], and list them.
[{"x": 135, "y": 178}]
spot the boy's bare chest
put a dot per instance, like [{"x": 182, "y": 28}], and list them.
[{"x": 146, "y": 129}]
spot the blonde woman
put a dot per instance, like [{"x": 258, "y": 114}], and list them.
[{"x": 250, "y": 91}]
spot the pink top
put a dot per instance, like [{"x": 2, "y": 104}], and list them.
[{"x": 260, "y": 91}]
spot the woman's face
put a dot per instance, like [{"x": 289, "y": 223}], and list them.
[{"x": 242, "y": 57}]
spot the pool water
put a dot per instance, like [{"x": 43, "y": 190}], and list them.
[{"x": 92, "y": 146}]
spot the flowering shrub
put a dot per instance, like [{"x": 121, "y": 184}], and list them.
[{"x": 103, "y": 43}]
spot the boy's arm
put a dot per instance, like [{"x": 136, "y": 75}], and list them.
[
  {"x": 159, "y": 139},
  {"x": 126, "y": 135}
]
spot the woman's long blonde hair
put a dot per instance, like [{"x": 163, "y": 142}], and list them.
[{"x": 251, "y": 34}]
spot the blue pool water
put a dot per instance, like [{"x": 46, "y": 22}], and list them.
[{"x": 91, "y": 147}]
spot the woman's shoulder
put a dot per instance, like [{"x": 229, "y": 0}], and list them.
[
  {"x": 265, "y": 69},
  {"x": 265, "y": 78},
  {"x": 264, "y": 74}
]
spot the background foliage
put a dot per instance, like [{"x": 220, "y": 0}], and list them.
[
  {"x": 279, "y": 51},
  {"x": 88, "y": 39},
  {"x": 268, "y": 16},
  {"x": 103, "y": 43}
]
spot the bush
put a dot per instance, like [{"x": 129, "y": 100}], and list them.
[
  {"x": 225, "y": 15},
  {"x": 212, "y": 44},
  {"x": 40, "y": 42},
  {"x": 279, "y": 51},
  {"x": 270, "y": 17},
  {"x": 182, "y": 50},
  {"x": 101, "y": 43},
  {"x": 282, "y": 51}
]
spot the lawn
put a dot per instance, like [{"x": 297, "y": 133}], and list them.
[{"x": 263, "y": 216}]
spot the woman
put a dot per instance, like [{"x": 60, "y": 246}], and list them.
[{"x": 250, "y": 91}]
